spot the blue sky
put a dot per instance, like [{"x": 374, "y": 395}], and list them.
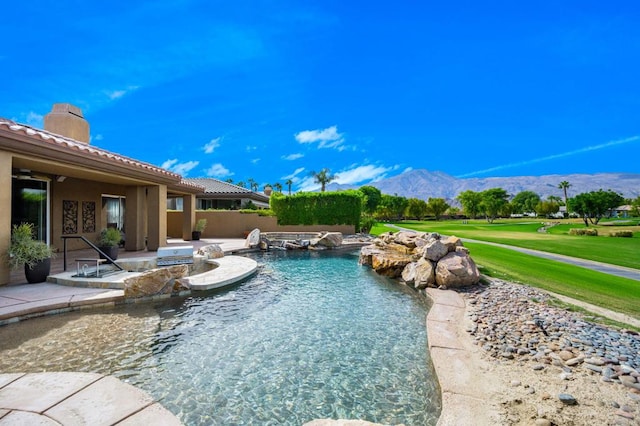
[{"x": 273, "y": 90}]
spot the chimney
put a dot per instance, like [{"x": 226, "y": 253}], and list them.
[{"x": 67, "y": 120}]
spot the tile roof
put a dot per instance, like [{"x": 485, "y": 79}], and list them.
[
  {"x": 215, "y": 186},
  {"x": 62, "y": 142}
]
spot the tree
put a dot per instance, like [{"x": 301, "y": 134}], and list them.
[
  {"x": 564, "y": 185},
  {"x": 416, "y": 208},
  {"x": 277, "y": 186},
  {"x": 241, "y": 184},
  {"x": 391, "y": 207},
  {"x": 470, "y": 201},
  {"x": 253, "y": 184},
  {"x": 372, "y": 198},
  {"x": 323, "y": 177},
  {"x": 594, "y": 205},
  {"x": 635, "y": 207},
  {"x": 289, "y": 182},
  {"x": 525, "y": 202},
  {"x": 229, "y": 180},
  {"x": 437, "y": 206},
  {"x": 547, "y": 208},
  {"x": 493, "y": 200}
]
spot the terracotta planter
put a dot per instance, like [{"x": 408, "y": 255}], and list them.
[{"x": 39, "y": 272}]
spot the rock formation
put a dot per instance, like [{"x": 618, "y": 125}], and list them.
[
  {"x": 421, "y": 259},
  {"x": 156, "y": 281}
]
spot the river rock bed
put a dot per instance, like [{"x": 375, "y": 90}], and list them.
[{"x": 569, "y": 370}]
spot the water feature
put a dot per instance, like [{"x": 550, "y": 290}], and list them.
[{"x": 312, "y": 335}]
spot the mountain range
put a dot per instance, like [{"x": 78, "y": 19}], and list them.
[{"x": 423, "y": 184}]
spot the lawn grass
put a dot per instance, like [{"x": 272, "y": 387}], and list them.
[
  {"x": 523, "y": 233},
  {"x": 600, "y": 289},
  {"x": 597, "y": 288}
]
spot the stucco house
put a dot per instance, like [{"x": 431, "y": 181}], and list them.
[
  {"x": 55, "y": 179},
  {"x": 224, "y": 195}
]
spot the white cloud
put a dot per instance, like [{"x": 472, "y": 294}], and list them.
[
  {"x": 292, "y": 157},
  {"x": 408, "y": 169},
  {"x": 97, "y": 137},
  {"x": 212, "y": 145},
  {"x": 180, "y": 168},
  {"x": 255, "y": 161},
  {"x": 117, "y": 94},
  {"x": 294, "y": 176},
  {"x": 167, "y": 164},
  {"x": 35, "y": 120},
  {"x": 219, "y": 171},
  {"x": 360, "y": 174},
  {"x": 553, "y": 156},
  {"x": 326, "y": 138}
]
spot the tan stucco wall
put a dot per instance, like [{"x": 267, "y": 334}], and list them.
[
  {"x": 5, "y": 217},
  {"x": 78, "y": 190},
  {"x": 232, "y": 224}
]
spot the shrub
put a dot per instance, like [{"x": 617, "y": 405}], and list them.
[
  {"x": 24, "y": 249},
  {"x": 109, "y": 237},
  {"x": 623, "y": 234},
  {"x": 318, "y": 208},
  {"x": 592, "y": 232}
]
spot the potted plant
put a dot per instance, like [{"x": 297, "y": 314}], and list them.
[
  {"x": 201, "y": 224},
  {"x": 34, "y": 255},
  {"x": 108, "y": 241}
]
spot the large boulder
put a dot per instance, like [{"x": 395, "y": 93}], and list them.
[
  {"x": 435, "y": 250},
  {"x": 457, "y": 269},
  {"x": 212, "y": 251},
  {"x": 328, "y": 239},
  {"x": 425, "y": 274},
  {"x": 388, "y": 264},
  {"x": 156, "y": 281}
]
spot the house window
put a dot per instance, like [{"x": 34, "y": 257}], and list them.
[
  {"x": 30, "y": 204},
  {"x": 114, "y": 208}
]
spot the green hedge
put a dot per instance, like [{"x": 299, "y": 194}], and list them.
[
  {"x": 318, "y": 208},
  {"x": 622, "y": 234},
  {"x": 592, "y": 232}
]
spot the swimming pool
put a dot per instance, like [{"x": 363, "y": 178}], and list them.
[{"x": 312, "y": 335}]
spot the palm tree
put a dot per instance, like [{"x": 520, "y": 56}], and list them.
[
  {"x": 277, "y": 186},
  {"x": 564, "y": 185},
  {"x": 229, "y": 180},
  {"x": 323, "y": 177},
  {"x": 289, "y": 182},
  {"x": 253, "y": 184}
]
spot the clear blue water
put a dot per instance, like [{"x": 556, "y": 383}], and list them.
[{"x": 312, "y": 335}]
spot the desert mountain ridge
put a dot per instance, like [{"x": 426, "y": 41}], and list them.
[{"x": 422, "y": 184}]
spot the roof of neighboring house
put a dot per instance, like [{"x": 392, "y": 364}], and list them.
[
  {"x": 44, "y": 144},
  {"x": 626, "y": 207},
  {"x": 220, "y": 189}
]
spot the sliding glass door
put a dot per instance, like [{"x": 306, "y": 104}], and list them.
[{"x": 30, "y": 203}]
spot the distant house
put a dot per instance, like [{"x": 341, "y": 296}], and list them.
[
  {"x": 622, "y": 211},
  {"x": 219, "y": 195}
]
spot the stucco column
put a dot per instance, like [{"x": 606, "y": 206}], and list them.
[
  {"x": 188, "y": 216},
  {"x": 135, "y": 218},
  {"x": 5, "y": 219},
  {"x": 157, "y": 212}
]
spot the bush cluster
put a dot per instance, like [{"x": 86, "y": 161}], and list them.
[
  {"x": 318, "y": 208},
  {"x": 623, "y": 234},
  {"x": 584, "y": 231}
]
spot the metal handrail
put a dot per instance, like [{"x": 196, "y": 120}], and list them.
[{"x": 93, "y": 246}]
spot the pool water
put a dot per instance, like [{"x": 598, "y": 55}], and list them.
[{"x": 312, "y": 335}]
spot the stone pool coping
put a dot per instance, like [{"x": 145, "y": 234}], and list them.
[
  {"x": 64, "y": 398},
  {"x": 21, "y": 302},
  {"x": 466, "y": 393}
]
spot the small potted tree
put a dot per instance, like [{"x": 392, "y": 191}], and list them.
[
  {"x": 201, "y": 224},
  {"x": 34, "y": 255},
  {"x": 108, "y": 241}
]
